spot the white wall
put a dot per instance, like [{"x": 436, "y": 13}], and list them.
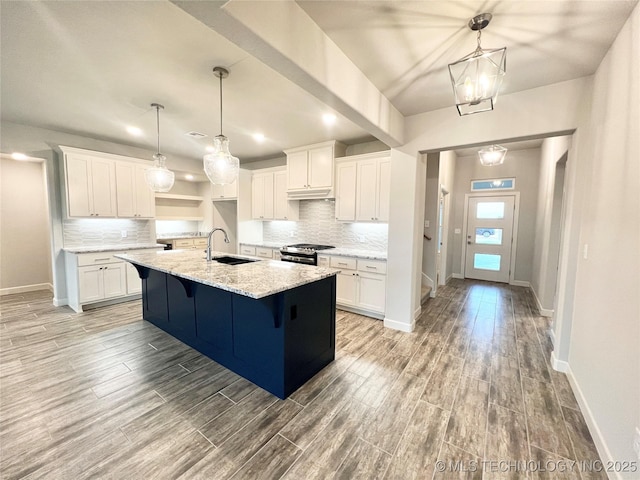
[
  {"x": 25, "y": 254},
  {"x": 432, "y": 194},
  {"x": 448, "y": 161},
  {"x": 604, "y": 355},
  {"x": 553, "y": 150},
  {"x": 524, "y": 166}
]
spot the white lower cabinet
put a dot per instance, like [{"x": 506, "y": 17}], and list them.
[
  {"x": 361, "y": 285},
  {"x": 97, "y": 277}
]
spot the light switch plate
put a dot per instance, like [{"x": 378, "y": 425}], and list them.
[
  {"x": 457, "y": 231},
  {"x": 426, "y": 224}
]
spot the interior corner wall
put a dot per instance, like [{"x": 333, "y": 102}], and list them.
[
  {"x": 432, "y": 193},
  {"x": 553, "y": 149},
  {"x": 25, "y": 254},
  {"x": 447, "y": 177},
  {"x": 604, "y": 355},
  {"x": 524, "y": 166}
]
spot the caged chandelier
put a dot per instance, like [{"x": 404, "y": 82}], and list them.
[
  {"x": 492, "y": 155},
  {"x": 159, "y": 177},
  {"x": 220, "y": 166},
  {"x": 476, "y": 78}
]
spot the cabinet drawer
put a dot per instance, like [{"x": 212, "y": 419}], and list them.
[
  {"x": 264, "y": 252},
  {"x": 200, "y": 242},
  {"x": 343, "y": 262},
  {"x": 85, "y": 259},
  {"x": 183, "y": 243},
  {"x": 323, "y": 261},
  {"x": 247, "y": 250},
  {"x": 373, "y": 266}
]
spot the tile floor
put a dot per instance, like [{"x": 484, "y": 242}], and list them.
[{"x": 468, "y": 394}]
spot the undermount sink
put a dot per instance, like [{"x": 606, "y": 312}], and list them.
[{"x": 227, "y": 260}]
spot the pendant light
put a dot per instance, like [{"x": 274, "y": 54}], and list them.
[
  {"x": 220, "y": 166},
  {"x": 493, "y": 155},
  {"x": 159, "y": 177},
  {"x": 476, "y": 78}
]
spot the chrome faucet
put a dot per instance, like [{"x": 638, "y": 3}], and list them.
[{"x": 226, "y": 240}]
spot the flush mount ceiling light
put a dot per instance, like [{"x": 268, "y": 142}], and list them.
[
  {"x": 493, "y": 155},
  {"x": 220, "y": 166},
  {"x": 159, "y": 177},
  {"x": 476, "y": 78}
]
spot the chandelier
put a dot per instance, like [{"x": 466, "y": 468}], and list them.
[
  {"x": 493, "y": 155},
  {"x": 220, "y": 166},
  {"x": 159, "y": 177},
  {"x": 476, "y": 78}
]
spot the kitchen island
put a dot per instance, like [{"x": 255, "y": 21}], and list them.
[{"x": 271, "y": 322}]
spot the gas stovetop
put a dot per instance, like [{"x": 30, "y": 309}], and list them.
[{"x": 305, "y": 247}]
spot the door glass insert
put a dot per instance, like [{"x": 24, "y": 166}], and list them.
[
  {"x": 489, "y": 236},
  {"x": 490, "y": 210},
  {"x": 486, "y": 261}
]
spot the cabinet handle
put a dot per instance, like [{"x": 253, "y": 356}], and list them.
[
  {"x": 101, "y": 259},
  {"x": 342, "y": 264},
  {"x": 369, "y": 266},
  {"x": 372, "y": 218}
]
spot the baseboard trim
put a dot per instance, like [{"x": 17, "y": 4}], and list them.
[
  {"x": 545, "y": 312},
  {"x": 60, "y": 302},
  {"x": 395, "y": 325},
  {"x": 520, "y": 283},
  {"x": 594, "y": 430},
  {"x": 26, "y": 288},
  {"x": 457, "y": 275},
  {"x": 552, "y": 336},
  {"x": 417, "y": 313},
  {"x": 557, "y": 364},
  {"x": 366, "y": 313}
]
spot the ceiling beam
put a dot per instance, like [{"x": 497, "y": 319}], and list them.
[{"x": 281, "y": 35}]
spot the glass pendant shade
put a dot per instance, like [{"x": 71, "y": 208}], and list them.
[
  {"x": 159, "y": 177},
  {"x": 220, "y": 166},
  {"x": 476, "y": 78},
  {"x": 493, "y": 155}
]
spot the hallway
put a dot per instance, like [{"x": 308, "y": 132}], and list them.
[{"x": 104, "y": 394}]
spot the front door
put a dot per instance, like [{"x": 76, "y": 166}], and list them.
[{"x": 489, "y": 238}]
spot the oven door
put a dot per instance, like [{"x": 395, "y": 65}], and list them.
[{"x": 299, "y": 258}]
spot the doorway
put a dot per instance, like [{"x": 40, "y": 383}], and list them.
[{"x": 489, "y": 236}]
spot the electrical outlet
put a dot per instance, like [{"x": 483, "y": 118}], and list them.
[
  {"x": 636, "y": 442},
  {"x": 292, "y": 233},
  {"x": 457, "y": 231},
  {"x": 123, "y": 233},
  {"x": 362, "y": 238}
]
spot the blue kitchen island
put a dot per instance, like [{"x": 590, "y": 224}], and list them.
[{"x": 271, "y": 322}]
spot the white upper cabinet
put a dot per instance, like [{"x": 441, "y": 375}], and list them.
[
  {"x": 283, "y": 208},
  {"x": 269, "y": 200},
  {"x": 346, "y": 191},
  {"x": 135, "y": 198},
  {"x": 225, "y": 192},
  {"x": 90, "y": 186},
  {"x": 310, "y": 170},
  {"x": 362, "y": 187},
  {"x": 104, "y": 185}
]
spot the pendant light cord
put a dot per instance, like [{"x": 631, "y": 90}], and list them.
[
  {"x": 220, "y": 76},
  {"x": 158, "y": 126}
]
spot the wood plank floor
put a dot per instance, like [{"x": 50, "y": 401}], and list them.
[{"x": 104, "y": 394}]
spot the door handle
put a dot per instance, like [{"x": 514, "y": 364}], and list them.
[{"x": 469, "y": 242}]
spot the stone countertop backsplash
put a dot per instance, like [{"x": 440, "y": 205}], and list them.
[
  {"x": 256, "y": 279},
  {"x": 112, "y": 248}
]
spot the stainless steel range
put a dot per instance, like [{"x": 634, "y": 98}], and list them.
[{"x": 306, "y": 253}]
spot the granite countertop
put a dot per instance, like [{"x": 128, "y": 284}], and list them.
[
  {"x": 256, "y": 279},
  {"x": 112, "y": 248}
]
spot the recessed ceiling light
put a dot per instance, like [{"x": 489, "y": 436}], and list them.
[
  {"x": 19, "y": 156},
  {"x": 329, "y": 118},
  {"x": 135, "y": 131},
  {"x": 188, "y": 176},
  {"x": 210, "y": 148},
  {"x": 258, "y": 137}
]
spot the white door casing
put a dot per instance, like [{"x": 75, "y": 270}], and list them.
[{"x": 489, "y": 236}]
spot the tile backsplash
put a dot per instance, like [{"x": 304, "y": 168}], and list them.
[
  {"x": 317, "y": 224},
  {"x": 90, "y": 232}
]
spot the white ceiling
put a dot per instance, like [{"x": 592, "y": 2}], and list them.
[{"x": 93, "y": 68}]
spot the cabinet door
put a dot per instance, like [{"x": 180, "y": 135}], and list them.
[
  {"x": 90, "y": 283},
  {"x": 78, "y": 171},
  {"x": 372, "y": 291},
  {"x": 384, "y": 189},
  {"x": 115, "y": 280},
  {"x": 346, "y": 191},
  {"x": 126, "y": 191},
  {"x": 297, "y": 170},
  {"x": 134, "y": 283},
  {"x": 320, "y": 169},
  {"x": 367, "y": 183},
  {"x": 225, "y": 192},
  {"x": 145, "y": 197},
  {"x": 281, "y": 207},
  {"x": 257, "y": 197},
  {"x": 346, "y": 287},
  {"x": 268, "y": 200},
  {"x": 103, "y": 187}
]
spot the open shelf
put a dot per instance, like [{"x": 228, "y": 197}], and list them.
[{"x": 173, "y": 196}]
